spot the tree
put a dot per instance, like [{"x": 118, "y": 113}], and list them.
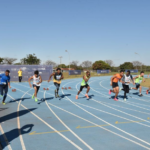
[
  {"x": 109, "y": 62},
  {"x": 126, "y": 65},
  {"x": 62, "y": 66},
  {"x": 74, "y": 63},
  {"x": 137, "y": 63},
  {"x": 9, "y": 61},
  {"x": 1, "y": 60},
  {"x": 17, "y": 63},
  {"x": 49, "y": 62},
  {"x": 100, "y": 65},
  {"x": 31, "y": 59},
  {"x": 86, "y": 64}
]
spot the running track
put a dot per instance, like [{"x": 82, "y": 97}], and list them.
[{"x": 69, "y": 124}]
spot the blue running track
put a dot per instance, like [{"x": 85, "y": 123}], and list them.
[{"x": 69, "y": 124}]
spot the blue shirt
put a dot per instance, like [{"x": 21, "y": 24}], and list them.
[{"x": 4, "y": 79}]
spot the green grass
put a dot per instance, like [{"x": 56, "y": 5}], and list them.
[{"x": 147, "y": 83}]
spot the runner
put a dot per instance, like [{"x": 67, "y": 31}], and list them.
[
  {"x": 58, "y": 76},
  {"x": 84, "y": 84},
  {"x": 126, "y": 80},
  {"x": 114, "y": 83},
  {"x": 138, "y": 79},
  {"x": 4, "y": 83},
  {"x": 147, "y": 91},
  {"x": 37, "y": 80}
]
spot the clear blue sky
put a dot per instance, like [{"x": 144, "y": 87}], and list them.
[{"x": 88, "y": 29}]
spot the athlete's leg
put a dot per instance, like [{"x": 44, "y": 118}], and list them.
[
  {"x": 5, "y": 88},
  {"x": 140, "y": 91},
  {"x": 116, "y": 92},
  {"x": 35, "y": 91},
  {"x": 1, "y": 90},
  {"x": 81, "y": 88},
  {"x": 88, "y": 89}
]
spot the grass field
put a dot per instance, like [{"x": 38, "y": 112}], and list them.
[{"x": 147, "y": 83}]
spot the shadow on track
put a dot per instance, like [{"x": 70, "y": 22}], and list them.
[
  {"x": 14, "y": 115},
  {"x": 43, "y": 100},
  {"x": 13, "y": 134}
]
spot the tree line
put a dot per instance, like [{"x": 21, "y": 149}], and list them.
[{"x": 31, "y": 59}]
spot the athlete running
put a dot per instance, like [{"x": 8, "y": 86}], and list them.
[
  {"x": 37, "y": 80},
  {"x": 114, "y": 83},
  {"x": 4, "y": 84},
  {"x": 58, "y": 76},
  {"x": 138, "y": 80},
  {"x": 84, "y": 84},
  {"x": 126, "y": 80}
]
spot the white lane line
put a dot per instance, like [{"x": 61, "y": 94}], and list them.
[
  {"x": 102, "y": 127},
  {"x": 120, "y": 111},
  {"x": 109, "y": 123},
  {"x": 47, "y": 123},
  {"x": 120, "y": 106},
  {"x": 67, "y": 126},
  {"x": 18, "y": 122},
  {"x": 5, "y": 138}
]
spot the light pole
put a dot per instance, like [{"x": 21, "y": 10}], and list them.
[
  {"x": 60, "y": 59},
  {"x": 140, "y": 56},
  {"x": 69, "y": 57}
]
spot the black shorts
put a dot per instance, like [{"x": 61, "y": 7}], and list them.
[
  {"x": 137, "y": 85},
  {"x": 115, "y": 84},
  {"x": 37, "y": 87},
  {"x": 82, "y": 87},
  {"x": 126, "y": 88}
]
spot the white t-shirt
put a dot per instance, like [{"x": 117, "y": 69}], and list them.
[{"x": 36, "y": 80}]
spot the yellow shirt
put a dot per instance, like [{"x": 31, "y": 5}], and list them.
[{"x": 19, "y": 73}]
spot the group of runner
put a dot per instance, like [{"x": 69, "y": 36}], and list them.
[{"x": 125, "y": 79}]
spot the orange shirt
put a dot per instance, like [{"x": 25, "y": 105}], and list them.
[{"x": 117, "y": 78}]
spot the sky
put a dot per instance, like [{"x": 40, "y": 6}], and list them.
[{"x": 89, "y": 29}]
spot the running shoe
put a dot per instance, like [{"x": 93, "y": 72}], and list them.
[
  {"x": 86, "y": 95},
  {"x": 55, "y": 94},
  {"x": 140, "y": 94},
  {"x": 125, "y": 99},
  {"x": 109, "y": 92},
  {"x": 1, "y": 95},
  {"x": 58, "y": 96},
  {"x": 76, "y": 96},
  {"x": 120, "y": 89},
  {"x": 146, "y": 91},
  {"x": 115, "y": 99},
  {"x": 3, "y": 103},
  {"x": 33, "y": 96},
  {"x": 36, "y": 99}
]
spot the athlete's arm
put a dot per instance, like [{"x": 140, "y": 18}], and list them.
[
  {"x": 40, "y": 80},
  {"x": 62, "y": 77},
  {"x": 85, "y": 79},
  {"x": 135, "y": 77},
  {"x": 132, "y": 79},
  {"x": 30, "y": 80},
  {"x": 51, "y": 76},
  {"x": 9, "y": 85}
]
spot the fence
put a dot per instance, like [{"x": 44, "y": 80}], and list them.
[{"x": 27, "y": 71}]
